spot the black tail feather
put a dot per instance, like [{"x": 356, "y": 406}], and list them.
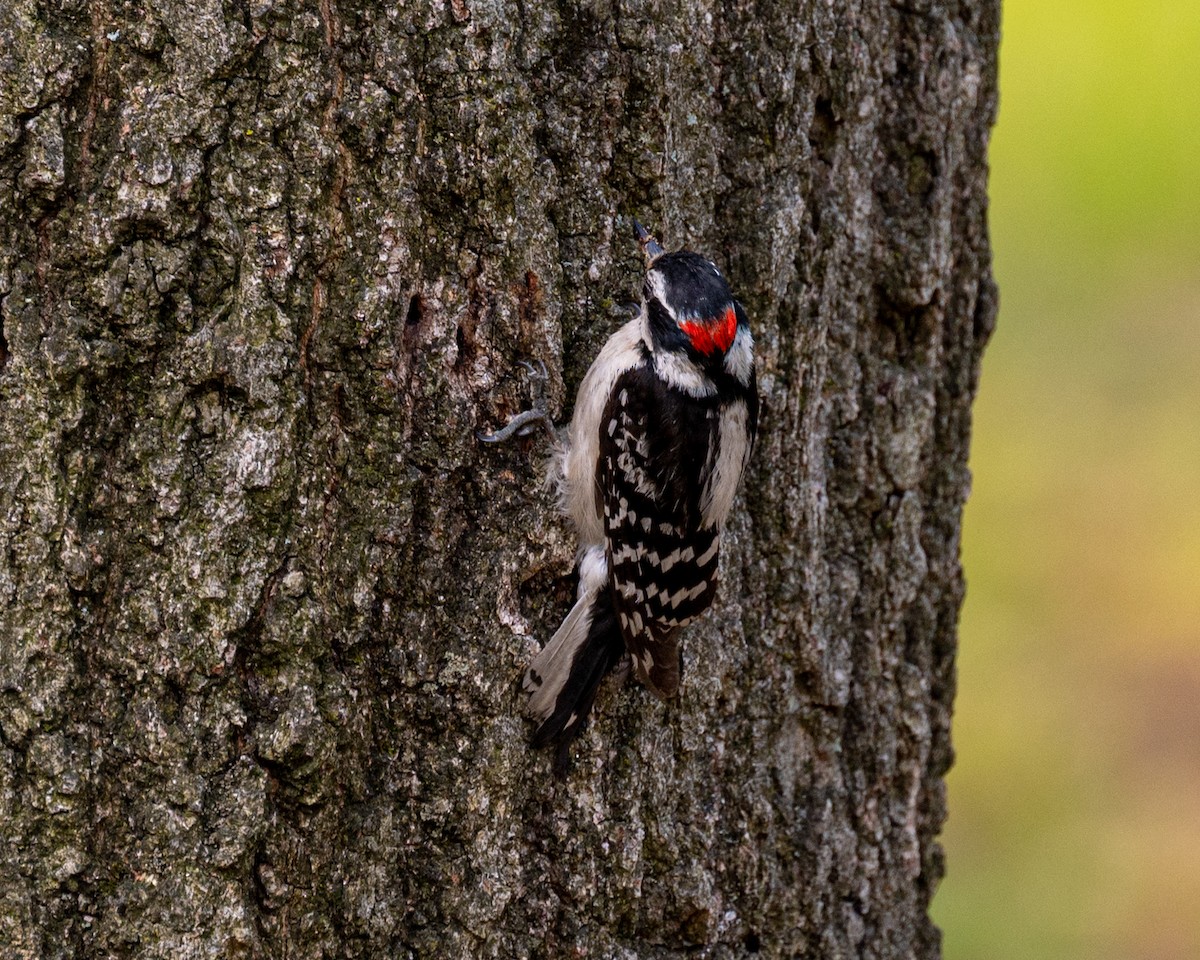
[{"x": 594, "y": 660}]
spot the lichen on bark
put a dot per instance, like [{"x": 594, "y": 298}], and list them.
[{"x": 264, "y": 270}]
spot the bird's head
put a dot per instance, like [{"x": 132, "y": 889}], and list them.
[{"x": 689, "y": 305}]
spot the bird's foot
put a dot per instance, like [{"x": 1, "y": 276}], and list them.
[{"x": 525, "y": 423}]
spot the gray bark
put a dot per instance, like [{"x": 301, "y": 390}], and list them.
[{"x": 264, "y": 600}]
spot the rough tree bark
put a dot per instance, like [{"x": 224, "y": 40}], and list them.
[{"x": 264, "y": 270}]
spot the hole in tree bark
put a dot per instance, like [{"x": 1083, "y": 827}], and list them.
[
  {"x": 464, "y": 339},
  {"x": 752, "y": 943},
  {"x": 414, "y": 320},
  {"x": 822, "y": 134},
  {"x": 416, "y": 312}
]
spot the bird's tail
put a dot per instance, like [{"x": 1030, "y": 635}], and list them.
[{"x": 563, "y": 679}]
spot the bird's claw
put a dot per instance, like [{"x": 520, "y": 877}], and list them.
[
  {"x": 538, "y": 372},
  {"x": 524, "y": 424}
]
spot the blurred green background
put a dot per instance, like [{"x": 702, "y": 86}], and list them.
[{"x": 1074, "y": 826}]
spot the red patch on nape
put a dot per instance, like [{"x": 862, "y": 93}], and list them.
[{"x": 714, "y": 334}]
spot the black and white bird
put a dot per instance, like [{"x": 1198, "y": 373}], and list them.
[{"x": 663, "y": 427}]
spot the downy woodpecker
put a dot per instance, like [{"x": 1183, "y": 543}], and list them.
[{"x": 663, "y": 427}]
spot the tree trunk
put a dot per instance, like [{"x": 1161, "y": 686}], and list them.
[{"x": 265, "y": 599}]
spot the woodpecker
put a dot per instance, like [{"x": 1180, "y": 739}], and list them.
[{"x": 664, "y": 423}]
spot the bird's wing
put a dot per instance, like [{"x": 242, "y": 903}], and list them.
[{"x": 662, "y": 563}]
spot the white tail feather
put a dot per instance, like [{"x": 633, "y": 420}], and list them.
[{"x": 550, "y": 670}]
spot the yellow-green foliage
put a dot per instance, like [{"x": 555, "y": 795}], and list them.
[{"x": 1074, "y": 828}]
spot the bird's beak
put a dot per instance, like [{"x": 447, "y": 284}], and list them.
[{"x": 651, "y": 248}]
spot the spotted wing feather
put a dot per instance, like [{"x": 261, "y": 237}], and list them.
[{"x": 654, "y": 450}]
